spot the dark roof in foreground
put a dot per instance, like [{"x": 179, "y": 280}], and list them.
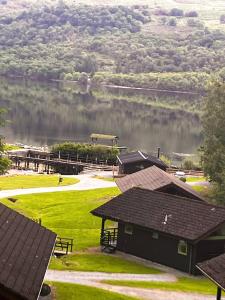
[
  {"x": 153, "y": 178},
  {"x": 177, "y": 216},
  {"x": 25, "y": 251},
  {"x": 214, "y": 269},
  {"x": 139, "y": 156}
]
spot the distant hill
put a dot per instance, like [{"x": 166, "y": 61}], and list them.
[{"x": 184, "y": 39}]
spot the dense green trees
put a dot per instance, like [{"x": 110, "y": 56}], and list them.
[
  {"x": 214, "y": 138},
  {"x": 164, "y": 81},
  {"x": 86, "y": 151},
  {"x": 4, "y": 162},
  {"x": 92, "y": 19},
  {"x": 61, "y": 42}
]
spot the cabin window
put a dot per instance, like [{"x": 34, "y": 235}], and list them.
[
  {"x": 128, "y": 229},
  {"x": 182, "y": 248},
  {"x": 155, "y": 235}
]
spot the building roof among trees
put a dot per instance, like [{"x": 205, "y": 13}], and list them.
[
  {"x": 174, "y": 215},
  {"x": 139, "y": 156},
  {"x": 214, "y": 269},
  {"x": 153, "y": 178},
  {"x": 25, "y": 251}
]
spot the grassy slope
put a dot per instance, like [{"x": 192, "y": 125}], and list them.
[
  {"x": 195, "y": 179},
  {"x": 101, "y": 263},
  {"x": 32, "y": 181},
  {"x": 198, "y": 285},
  {"x": 66, "y": 291},
  {"x": 200, "y": 188},
  {"x": 68, "y": 214}
]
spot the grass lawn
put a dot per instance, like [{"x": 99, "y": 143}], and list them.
[
  {"x": 8, "y": 147},
  {"x": 104, "y": 178},
  {"x": 67, "y": 213},
  {"x": 200, "y": 188},
  {"x": 184, "y": 284},
  {"x": 32, "y": 181},
  {"x": 67, "y": 291},
  {"x": 195, "y": 179},
  {"x": 101, "y": 263}
]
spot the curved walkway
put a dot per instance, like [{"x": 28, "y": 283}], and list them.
[
  {"x": 76, "y": 276},
  {"x": 94, "y": 279},
  {"x": 87, "y": 182}
]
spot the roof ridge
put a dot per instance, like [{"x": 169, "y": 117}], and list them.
[
  {"x": 179, "y": 197},
  {"x": 142, "y": 154}
]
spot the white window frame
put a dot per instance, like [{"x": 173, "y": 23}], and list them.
[
  {"x": 128, "y": 229},
  {"x": 182, "y": 248},
  {"x": 155, "y": 235}
]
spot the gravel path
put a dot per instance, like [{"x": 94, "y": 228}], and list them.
[
  {"x": 87, "y": 182},
  {"x": 94, "y": 279},
  {"x": 75, "y": 277}
]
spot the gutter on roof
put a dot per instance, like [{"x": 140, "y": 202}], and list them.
[
  {"x": 53, "y": 248},
  {"x": 209, "y": 232},
  {"x": 142, "y": 155},
  {"x": 213, "y": 280},
  {"x": 119, "y": 159}
]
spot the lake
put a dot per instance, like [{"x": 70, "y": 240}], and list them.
[{"x": 47, "y": 113}]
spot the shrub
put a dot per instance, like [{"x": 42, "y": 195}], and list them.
[
  {"x": 222, "y": 19},
  {"x": 191, "y": 14},
  {"x": 166, "y": 160},
  {"x": 176, "y": 12},
  {"x": 5, "y": 164},
  {"x": 93, "y": 152},
  {"x": 183, "y": 179},
  {"x": 190, "y": 165},
  {"x": 172, "y": 22},
  {"x": 194, "y": 23}
]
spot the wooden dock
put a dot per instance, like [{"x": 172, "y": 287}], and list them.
[{"x": 73, "y": 166}]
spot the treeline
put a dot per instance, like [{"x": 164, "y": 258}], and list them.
[
  {"x": 74, "y": 42},
  {"x": 176, "y": 12},
  {"x": 91, "y": 19},
  {"x": 96, "y": 153},
  {"x": 163, "y": 81},
  {"x": 202, "y": 51}
]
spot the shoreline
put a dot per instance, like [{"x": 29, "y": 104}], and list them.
[{"x": 113, "y": 86}]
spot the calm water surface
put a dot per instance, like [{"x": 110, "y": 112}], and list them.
[{"x": 44, "y": 114}]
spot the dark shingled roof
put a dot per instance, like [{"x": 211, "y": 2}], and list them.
[
  {"x": 25, "y": 251},
  {"x": 153, "y": 178},
  {"x": 139, "y": 156},
  {"x": 177, "y": 216},
  {"x": 214, "y": 269}
]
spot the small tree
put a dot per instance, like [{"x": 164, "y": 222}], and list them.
[
  {"x": 176, "y": 12},
  {"x": 191, "y": 14},
  {"x": 166, "y": 160},
  {"x": 222, "y": 19},
  {"x": 83, "y": 79},
  {"x": 213, "y": 150},
  {"x": 172, "y": 22},
  {"x": 5, "y": 163},
  {"x": 194, "y": 23}
]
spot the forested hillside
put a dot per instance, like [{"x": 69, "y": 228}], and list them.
[{"x": 62, "y": 39}]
